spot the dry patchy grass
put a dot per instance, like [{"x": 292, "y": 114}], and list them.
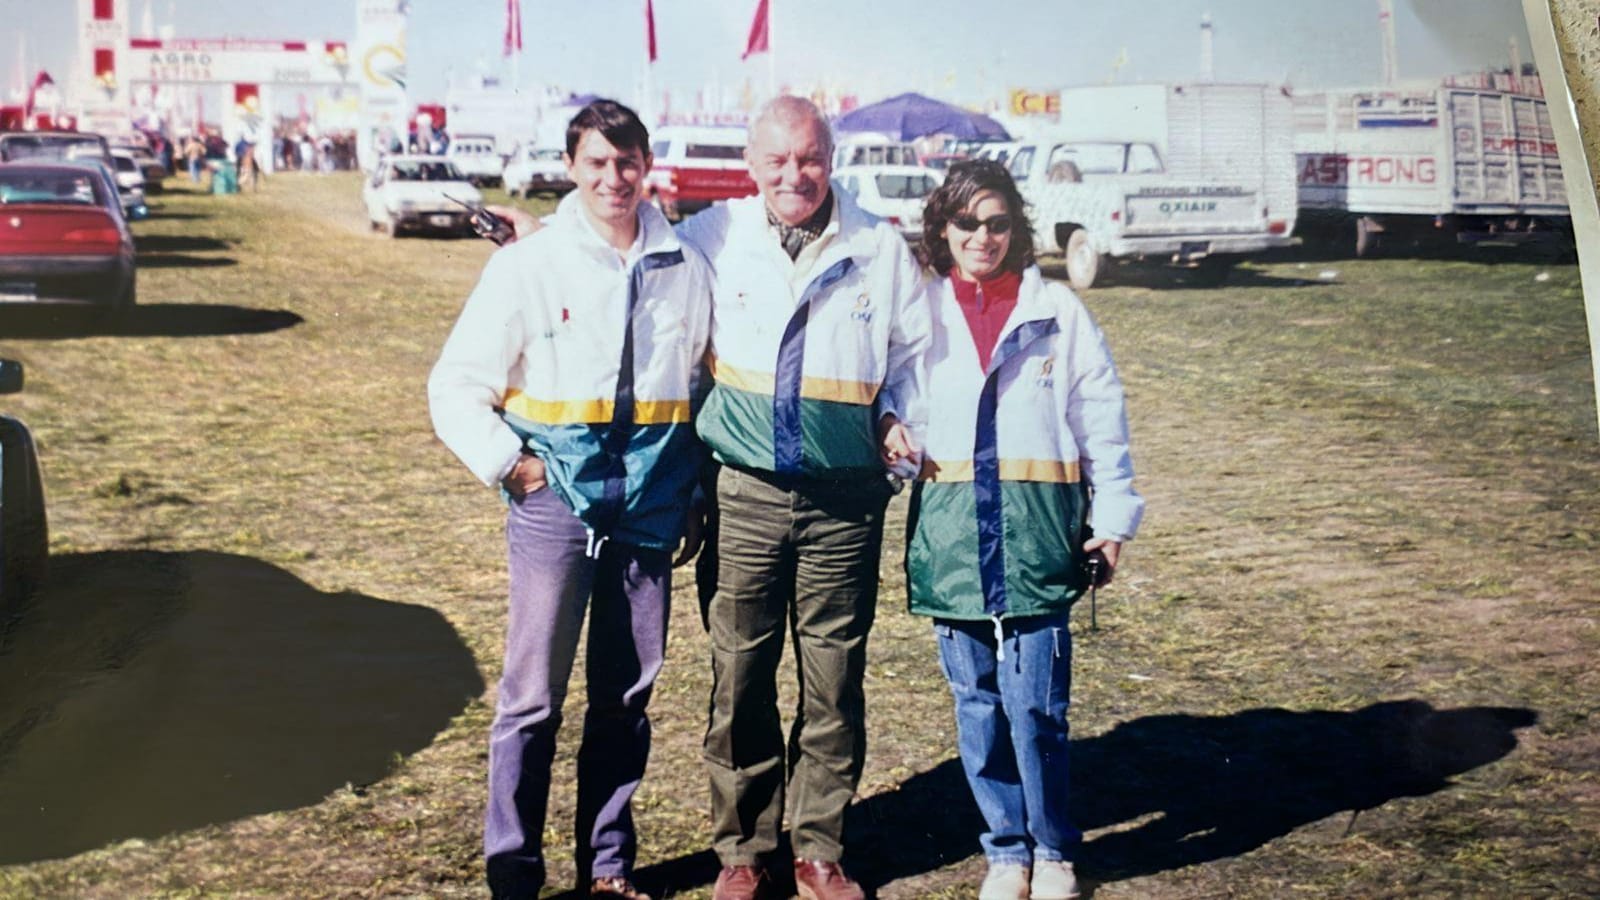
[{"x": 1351, "y": 653}]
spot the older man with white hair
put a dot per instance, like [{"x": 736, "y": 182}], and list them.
[{"x": 818, "y": 341}]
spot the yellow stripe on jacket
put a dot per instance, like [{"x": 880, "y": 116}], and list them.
[
  {"x": 1052, "y": 471},
  {"x": 837, "y": 390},
  {"x": 593, "y": 412}
]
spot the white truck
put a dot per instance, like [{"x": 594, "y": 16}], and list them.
[
  {"x": 1461, "y": 163},
  {"x": 1192, "y": 174}
]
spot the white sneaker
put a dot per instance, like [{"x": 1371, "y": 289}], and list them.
[
  {"x": 1054, "y": 880},
  {"x": 1005, "y": 881}
]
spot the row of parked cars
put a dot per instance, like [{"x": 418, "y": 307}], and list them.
[
  {"x": 694, "y": 167},
  {"x": 66, "y": 201},
  {"x": 528, "y": 170},
  {"x": 64, "y": 214}
]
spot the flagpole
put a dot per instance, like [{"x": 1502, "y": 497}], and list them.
[
  {"x": 772, "y": 53},
  {"x": 648, "y": 101}
]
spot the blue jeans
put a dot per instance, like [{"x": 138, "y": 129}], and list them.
[
  {"x": 552, "y": 581},
  {"x": 1011, "y": 721}
]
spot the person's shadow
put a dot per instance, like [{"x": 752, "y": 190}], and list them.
[
  {"x": 1205, "y": 788},
  {"x": 143, "y": 693}
]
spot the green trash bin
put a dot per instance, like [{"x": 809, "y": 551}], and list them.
[{"x": 225, "y": 178}]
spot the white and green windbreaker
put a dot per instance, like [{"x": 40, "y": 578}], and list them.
[
  {"x": 1018, "y": 459},
  {"x": 807, "y": 355},
  {"x": 543, "y": 358}
]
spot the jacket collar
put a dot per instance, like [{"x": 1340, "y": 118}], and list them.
[
  {"x": 852, "y": 230},
  {"x": 655, "y": 233}
]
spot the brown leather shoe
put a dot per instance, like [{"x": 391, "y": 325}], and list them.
[
  {"x": 616, "y": 886},
  {"x": 818, "y": 880},
  {"x": 740, "y": 883}
]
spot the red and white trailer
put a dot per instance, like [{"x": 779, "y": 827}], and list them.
[{"x": 1458, "y": 161}]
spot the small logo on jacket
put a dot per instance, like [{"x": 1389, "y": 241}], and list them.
[
  {"x": 863, "y": 311},
  {"x": 1047, "y": 370}
]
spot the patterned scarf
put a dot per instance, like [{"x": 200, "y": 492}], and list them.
[{"x": 794, "y": 238}]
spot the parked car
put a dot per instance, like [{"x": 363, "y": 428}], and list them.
[
  {"x": 24, "y": 534},
  {"x": 871, "y": 149},
  {"x": 420, "y": 193},
  {"x": 130, "y": 180},
  {"x": 536, "y": 170},
  {"x": 893, "y": 193},
  {"x": 999, "y": 151},
  {"x": 144, "y": 158},
  {"x": 477, "y": 159},
  {"x": 63, "y": 237},
  {"x": 695, "y": 167},
  {"x": 53, "y": 145}
]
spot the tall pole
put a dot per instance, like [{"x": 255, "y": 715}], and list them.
[
  {"x": 772, "y": 49},
  {"x": 1208, "y": 70},
  {"x": 1391, "y": 63}
]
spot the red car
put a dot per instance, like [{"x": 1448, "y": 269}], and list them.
[
  {"x": 63, "y": 238},
  {"x": 695, "y": 167}
]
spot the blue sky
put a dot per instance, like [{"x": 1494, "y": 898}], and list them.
[{"x": 963, "y": 50}]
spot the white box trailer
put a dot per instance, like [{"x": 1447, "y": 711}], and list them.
[
  {"x": 1192, "y": 174},
  {"x": 1458, "y": 162}
]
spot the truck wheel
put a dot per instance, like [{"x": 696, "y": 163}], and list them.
[
  {"x": 1368, "y": 238},
  {"x": 1083, "y": 263}
]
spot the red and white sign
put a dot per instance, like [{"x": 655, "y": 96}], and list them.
[{"x": 1339, "y": 169}]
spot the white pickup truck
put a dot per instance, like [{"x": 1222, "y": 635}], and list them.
[{"x": 1195, "y": 175}]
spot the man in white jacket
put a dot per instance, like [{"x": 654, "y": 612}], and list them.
[
  {"x": 569, "y": 382},
  {"x": 818, "y": 345},
  {"x": 818, "y": 351}
]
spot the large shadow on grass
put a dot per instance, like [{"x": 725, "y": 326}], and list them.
[
  {"x": 144, "y": 693},
  {"x": 1183, "y": 789},
  {"x": 61, "y": 322}
]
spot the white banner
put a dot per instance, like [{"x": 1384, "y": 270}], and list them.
[{"x": 379, "y": 66}]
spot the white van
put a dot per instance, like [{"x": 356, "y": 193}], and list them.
[{"x": 477, "y": 158}]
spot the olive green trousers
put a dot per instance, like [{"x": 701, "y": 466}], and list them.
[{"x": 798, "y": 556}]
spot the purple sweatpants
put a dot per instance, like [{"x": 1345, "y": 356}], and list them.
[{"x": 552, "y": 581}]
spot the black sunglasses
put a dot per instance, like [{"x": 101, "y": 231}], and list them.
[{"x": 997, "y": 224}]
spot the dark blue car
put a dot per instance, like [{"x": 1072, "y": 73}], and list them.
[{"x": 24, "y": 536}]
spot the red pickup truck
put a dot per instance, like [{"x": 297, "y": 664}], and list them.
[{"x": 697, "y": 166}]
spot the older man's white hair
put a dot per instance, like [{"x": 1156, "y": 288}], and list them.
[{"x": 791, "y": 112}]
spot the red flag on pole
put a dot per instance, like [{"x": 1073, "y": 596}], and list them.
[
  {"x": 39, "y": 81},
  {"x": 513, "y": 26},
  {"x": 758, "y": 42},
  {"x": 650, "y": 28}
]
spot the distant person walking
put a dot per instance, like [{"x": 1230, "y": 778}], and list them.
[
  {"x": 194, "y": 154},
  {"x": 1026, "y": 480},
  {"x": 245, "y": 156},
  {"x": 568, "y": 382}
]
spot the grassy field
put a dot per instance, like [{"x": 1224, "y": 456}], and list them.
[{"x": 1352, "y": 653}]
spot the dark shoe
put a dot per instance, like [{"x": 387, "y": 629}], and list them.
[
  {"x": 616, "y": 886},
  {"x": 817, "y": 880},
  {"x": 740, "y": 883}
]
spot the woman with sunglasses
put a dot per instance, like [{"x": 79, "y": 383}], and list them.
[{"x": 1025, "y": 496}]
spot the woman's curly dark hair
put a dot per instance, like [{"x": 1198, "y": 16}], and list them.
[{"x": 965, "y": 180}]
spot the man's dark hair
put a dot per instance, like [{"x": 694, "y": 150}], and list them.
[
  {"x": 617, "y": 123},
  {"x": 965, "y": 180}
]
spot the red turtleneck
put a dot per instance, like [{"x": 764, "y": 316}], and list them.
[{"x": 987, "y": 305}]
